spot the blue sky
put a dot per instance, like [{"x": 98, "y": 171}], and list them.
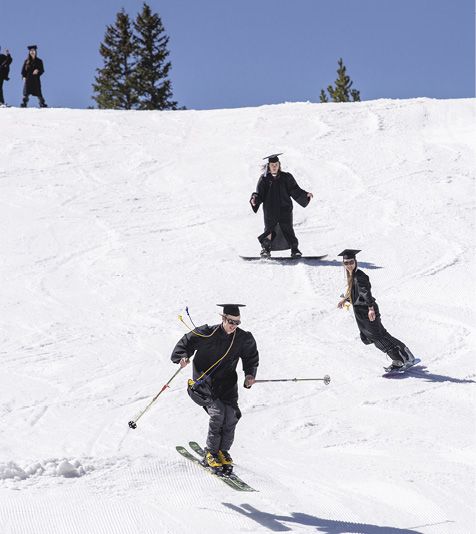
[{"x": 234, "y": 53}]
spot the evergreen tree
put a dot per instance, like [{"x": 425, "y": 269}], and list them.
[
  {"x": 323, "y": 96},
  {"x": 114, "y": 87},
  {"x": 152, "y": 67},
  {"x": 342, "y": 91}
]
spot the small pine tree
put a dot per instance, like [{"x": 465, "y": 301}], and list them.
[
  {"x": 323, "y": 97},
  {"x": 152, "y": 67},
  {"x": 114, "y": 87},
  {"x": 342, "y": 91}
]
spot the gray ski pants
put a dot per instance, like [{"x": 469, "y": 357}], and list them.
[{"x": 221, "y": 427}]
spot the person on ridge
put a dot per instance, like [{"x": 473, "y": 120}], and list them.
[
  {"x": 32, "y": 70},
  {"x": 275, "y": 190},
  {"x": 367, "y": 313},
  {"x": 5, "y": 61},
  {"x": 214, "y": 385}
]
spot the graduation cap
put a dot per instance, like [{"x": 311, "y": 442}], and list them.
[
  {"x": 232, "y": 309},
  {"x": 349, "y": 254},
  {"x": 273, "y": 158},
  {"x": 32, "y": 47}
]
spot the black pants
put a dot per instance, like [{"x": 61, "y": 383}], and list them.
[
  {"x": 282, "y": 234},
  {"x": 41, "y": 100},
  {"x": 2, "y": 101},
  {"x": 374, "y": 332},
  {"x": 221, "y": 427}
]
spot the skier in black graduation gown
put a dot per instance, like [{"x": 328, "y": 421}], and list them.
[
  {"x": 32, "y": 70},
  {"x": 275, "y": 190},
  {"x": 5, "y": 61},
  {"x": 367, "y": 313},
  {"x": 214, "y": 384}
]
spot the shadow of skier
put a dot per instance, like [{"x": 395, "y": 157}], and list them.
[
  {"x": 421, "y": 371},
  {"x": 318, "y": 263},
  {"x": 326, "y": 526}
]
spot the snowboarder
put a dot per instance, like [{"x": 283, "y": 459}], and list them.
[
  {"x": 32, "y": 70},
  {"x": 214, "y": 384},
  {"x": 367, "y": 313},
  {"x": 5, "y": 61},
  {"x": 275, "y": 190}
]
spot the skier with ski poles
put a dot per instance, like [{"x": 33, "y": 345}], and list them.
[
  {"x": 275, "y": 190},
  {"x": 367, "y": 314},
  {"x": 214, "y": 384}
]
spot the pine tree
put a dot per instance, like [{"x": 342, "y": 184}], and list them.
[
  {"x": 114, "y": 87},
  {"x": 152, "y": 67},
  {"x": 323, "y": 97},
  {"x": 342, "y": 91}
]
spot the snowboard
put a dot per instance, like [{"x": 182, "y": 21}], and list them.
[
  {"x": 282, "y": 258},
  {"x": 401, "y": 370}
]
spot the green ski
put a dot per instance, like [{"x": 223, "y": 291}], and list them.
[
  {"x": 243, "y": 486},
  {"x": 233, "y": 481}
]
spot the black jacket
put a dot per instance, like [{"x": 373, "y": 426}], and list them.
[
  {"x": 32, "y": 84},
  {"x": 275, "y": 194},
  {"x": 360, "y": 292},
  {"x": 5, "y": 61},
  {"x": 210, "y": 349}
]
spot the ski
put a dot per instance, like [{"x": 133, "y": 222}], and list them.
[
  {"x": 230, "y": 480},
  {"x": 241, "y": 484},
  {"x": 400, "y": 370}
]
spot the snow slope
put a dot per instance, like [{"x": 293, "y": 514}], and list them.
[{"x": 113, "y": 222}]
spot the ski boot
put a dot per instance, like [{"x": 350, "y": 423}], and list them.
[
  {"x": 407, "y": 356},
  {"x": 266, "y": 250},
  {"x": 226, "y": 461},
  {"x": 43, "y": 104},
  {"x": 212, "y": 461},
  {"x": 295, "y": 253},
  {"x": 265, "y": 253},
  {"x": 395, "y": 366}
]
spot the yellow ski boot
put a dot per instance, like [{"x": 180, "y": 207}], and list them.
[
  {"x": 226, "y": 461},
  {"x": 213, "y": 461}
]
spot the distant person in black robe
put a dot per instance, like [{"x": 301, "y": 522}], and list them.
[
  {"x": 275, "y": 190},
  {"x": 214, "y": 384},
  {"x": 5, "y": 61},
  {"x": 31, "y": 72},
  {"x": 367, "y": 313}
]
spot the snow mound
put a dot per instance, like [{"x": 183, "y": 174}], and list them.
[{"x": 67, "y": 468}]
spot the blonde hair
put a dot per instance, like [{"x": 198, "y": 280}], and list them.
[{"x": 350, "y": 279}]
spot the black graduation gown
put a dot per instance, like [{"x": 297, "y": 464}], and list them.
[
  {"x": 32, "y": 85},
  {"x": 5, "y": 61},
  {"x": 276, "y": 194},
  {"x": 210, "y": 349},
  {"x": 370, "y": 331}
]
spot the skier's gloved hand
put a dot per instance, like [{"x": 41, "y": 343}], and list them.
[
  {"x": 184, "y": 362},
  {"x": 249, "y": 381}
]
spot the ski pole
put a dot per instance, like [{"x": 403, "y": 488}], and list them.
[
  {"x": 133, "y": 424},
  {"x": 326, "y": 380}
]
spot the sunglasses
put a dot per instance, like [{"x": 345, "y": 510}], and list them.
[
  {"x": 231, "y": 321},
  {"x": 349, "y": 262}
]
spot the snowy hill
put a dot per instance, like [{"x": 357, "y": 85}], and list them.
[{"x": 113, "y": 222}]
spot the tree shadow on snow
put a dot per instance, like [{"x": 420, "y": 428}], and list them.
[
  {"x": 326, "y": 526},
  {"x": 421, "y": 371}
]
